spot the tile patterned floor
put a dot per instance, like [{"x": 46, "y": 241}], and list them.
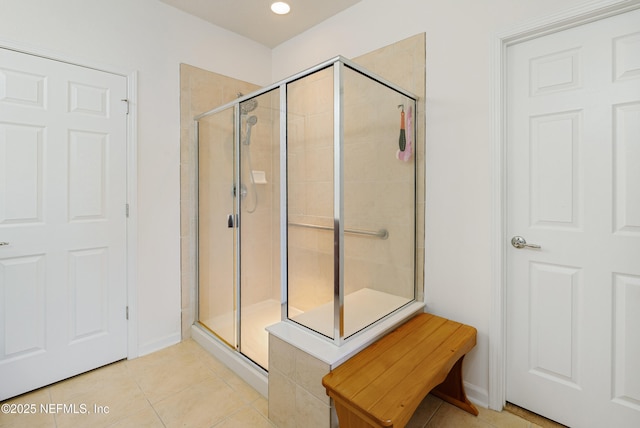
[{"x": 184, "y": 386}]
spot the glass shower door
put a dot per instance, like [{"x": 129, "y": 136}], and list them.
[
  {"x": 259, "y": 233},
  {"x": 238, "y": 224},
  {"x": 217, "y": 221}
]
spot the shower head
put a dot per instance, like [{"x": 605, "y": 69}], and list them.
[
  {"x": 248, "y": 106},
  {"x": 251, "y": 120}
]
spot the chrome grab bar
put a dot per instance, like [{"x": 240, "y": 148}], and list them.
[{"x": 382, "y": 233}]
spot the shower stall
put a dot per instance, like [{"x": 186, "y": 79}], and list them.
[{"x": 306, "y": 208}]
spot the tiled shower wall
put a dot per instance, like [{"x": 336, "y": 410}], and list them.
[{"x": 403, "y": 63}]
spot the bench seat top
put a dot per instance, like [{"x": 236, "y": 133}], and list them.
[{"x": 385, "y": 382}]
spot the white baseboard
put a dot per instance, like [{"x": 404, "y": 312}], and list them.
[
  {"x": 478, "y": 396},
  {"x": 156, "y": 345}
]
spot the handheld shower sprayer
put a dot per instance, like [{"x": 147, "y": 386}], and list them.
[{"x": 251, "y": 120}]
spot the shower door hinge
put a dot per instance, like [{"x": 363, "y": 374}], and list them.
[
  {"x": 127, "y": 312},
  {"x": 126, "y": 210},
  {"x": 126, "y": 101}
]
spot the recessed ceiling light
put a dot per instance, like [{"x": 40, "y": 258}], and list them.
[{"x": 280, "y": 7}]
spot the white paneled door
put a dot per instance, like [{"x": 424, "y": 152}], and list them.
[
  {"x": 62, "y": 220},
  {"x": 573, "y": 305}
]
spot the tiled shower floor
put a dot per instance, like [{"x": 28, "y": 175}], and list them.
[{"x": 184, "y": 386}]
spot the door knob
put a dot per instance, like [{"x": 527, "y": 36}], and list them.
[
  {"x": 2, "y": 244},
  {"x": 520, "y": 242},
  {"x": 230, "y": 221}
]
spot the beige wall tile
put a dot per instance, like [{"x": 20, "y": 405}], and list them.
[
  {"x": 309, "y": 372},
  {"x": 282, "y": 356},
  {"x": 311, "y": 412},
  {"x": 282, "y": 393}
]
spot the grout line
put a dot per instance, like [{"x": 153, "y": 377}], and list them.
[
  {"x": 130, "y": 372},
  {"x": 433, "y": 414},
  {"x": 48, "y": 391}
]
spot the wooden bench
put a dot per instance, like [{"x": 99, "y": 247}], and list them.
[{"x": 382, "y": 385}]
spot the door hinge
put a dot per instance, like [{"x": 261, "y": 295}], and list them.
[
  {"x": 127, "y": 312},
  {"x": 126, "y": 210},
  {"x": 126, "y": 101}
]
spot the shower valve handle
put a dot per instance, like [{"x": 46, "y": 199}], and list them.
[{"x": 232, "y": 221}]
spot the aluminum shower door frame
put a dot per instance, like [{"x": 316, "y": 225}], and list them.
[{"x": 338, "y": 63}]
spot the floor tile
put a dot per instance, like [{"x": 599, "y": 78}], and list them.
[
  {"x": 185, "y": 386},
  {"x": 449, "y": 416},
  {"x": 161, "y": 377},
  {"x": 147, "y": 418},
  {"x": 246, "y": 391},
  {"x": 262, "y": 406},
  {"x": 201, "y": 405},
  {"x": 16, "y": 416},
  {"x": 108, "y": 403},
  {"x": 66, "y": 390},
  {"x": 425, "y": 412},
  {"x": 246, "y": 417},
  {"x": 502, "y": 419}
]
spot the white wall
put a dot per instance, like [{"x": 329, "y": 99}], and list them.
[
  {"x": 152, "y": 38},
  {"x": 458, "y": 119}
]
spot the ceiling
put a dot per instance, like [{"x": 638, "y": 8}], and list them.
[{"x": 254, "y": 19}]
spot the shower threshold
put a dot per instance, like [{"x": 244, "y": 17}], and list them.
[
  {"x": 242, "y": 366},
  {"x": 254, "y": 336}
]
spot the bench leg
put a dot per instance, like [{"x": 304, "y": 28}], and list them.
[{"x": 452, "y": 390}]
